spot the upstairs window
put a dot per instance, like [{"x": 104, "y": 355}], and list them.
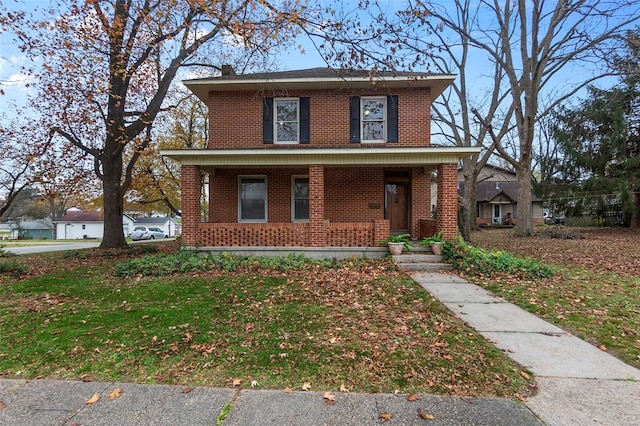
[
  {"x": 285, "y": 120},
  {"x": 374, "y": 119}
]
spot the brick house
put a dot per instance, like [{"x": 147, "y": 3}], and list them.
[{"x": 317, "y": 158}]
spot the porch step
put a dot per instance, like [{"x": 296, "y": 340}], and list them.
[{"x": 420, "y": 262}]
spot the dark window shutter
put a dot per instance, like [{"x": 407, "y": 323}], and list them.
[
  {"x": 305, "y": 134},
  {"x": 267, "y": 120},
  {"x": 392, "y": 118},
  {"x": 354, "y": 115}
]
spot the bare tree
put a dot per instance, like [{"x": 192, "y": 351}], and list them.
[
  {"x": 533, "y": 42},
  {"x": 108, "y": 65}
]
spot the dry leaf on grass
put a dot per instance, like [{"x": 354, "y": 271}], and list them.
[
  {"x": 343, "y": 388},
  {"x": 306, "y": 386},
  {"x": 525, "y": 375},
  {"x": 115, "y": 394},
  {"x": 287, "y": 390},
  {"x": 237, "y": 382},
  {"x": 93, "y": 399}
]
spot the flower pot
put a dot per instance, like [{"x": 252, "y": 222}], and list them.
[
  {"x": 436, "y": 248},
  {"x": 395, "y": 248}
]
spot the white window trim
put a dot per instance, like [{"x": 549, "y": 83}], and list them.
[
  {"x": 384, "y": 121},
  {"x": 275, "y": 121},
  {"x": 266, "y": 199},
  {"x": 293, "y": 199}
]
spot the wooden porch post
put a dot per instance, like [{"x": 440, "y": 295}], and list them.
[
  {"x": 317, "y": 228},
  {"x": 447, "y": 207},
  {"x": 190, "y": 190}
]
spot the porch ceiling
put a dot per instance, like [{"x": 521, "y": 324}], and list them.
[{"x": 303, "y": 157}]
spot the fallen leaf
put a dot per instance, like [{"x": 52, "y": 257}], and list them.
[
  {"x": 329, "y": 399},
  {"x": 287, "y": 390},
  {"x": 187, "y": 389},
  {"x": 237, "y": 382},
  {"x": 520, "y": 397},
  {"x": 343, "y": 388},
  {"x": 93, "y": 399},
  {"x": 525, "y": 375},
  {"x": 386, "y": 416},
  {"x": 397, "y": 391},
  {"x": 174, "y": 347},
  {"x": 426, "y": 416},
  {"x": 2, "y": 405},
  {"x": 306, "y": 386},
  {"x": 254, "y": 383},
  {"x": 115, "y": 394},
  {"x": 284, "y": 355},
  {"x": 87, "y": 379},
  {"x": 413, "y": 397},
  {"x": 603, "y": 347}
]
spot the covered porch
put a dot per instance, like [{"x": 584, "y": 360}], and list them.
[{"x": 350, "y": 196}]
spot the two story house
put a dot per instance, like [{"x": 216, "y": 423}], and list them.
[{"x": 317, "y": 158}]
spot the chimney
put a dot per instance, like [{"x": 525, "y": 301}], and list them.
[{"x": 227, "y": 70}]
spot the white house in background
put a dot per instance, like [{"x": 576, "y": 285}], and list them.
[
  {"x": 167, "y": 224},
  {"x": 77, "y": 224}
]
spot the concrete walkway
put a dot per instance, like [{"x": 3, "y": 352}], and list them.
[{"x": 578, "y": 384}]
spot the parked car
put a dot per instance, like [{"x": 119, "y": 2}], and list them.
[
  {"x": 147, "y": 233},
  {"x": 550, "y": 219}
]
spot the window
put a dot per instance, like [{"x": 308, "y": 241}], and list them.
[
  {"x": 286, "y": 120},
  {"x": 374, "y": 119},
  {"x": 299, "y": 198},
  {"x": 252, "y": 199}
]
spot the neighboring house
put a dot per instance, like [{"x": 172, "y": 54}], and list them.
[
  {"x": 317, "y": 158},
  {"x": 167, "y": 224},
  {"x": 40, "y": 229},
  {"x": 497, "y": 197},
  {"x": 77, "y": 224}
]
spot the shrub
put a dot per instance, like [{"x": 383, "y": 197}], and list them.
[
  {"x": 13, "y": 268},
  {"x": 5, "y": 253},
  {"x": 187, "y": 261},
  {"x": 477, "y": 261}
]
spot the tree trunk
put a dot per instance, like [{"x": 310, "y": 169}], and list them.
[
  {"x": 525, "y": 224},
  {"x": 113, "y": 203},
  {"x": 635, "y": 215}
]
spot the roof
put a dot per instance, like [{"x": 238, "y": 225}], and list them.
[
  {"x": 319, "y": 78},
  {"x": 81, "y": 216},
  {"x": 153, "y": 219},
  {"x": 36, "y": 224}
]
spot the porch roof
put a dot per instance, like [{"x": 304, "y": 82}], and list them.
[{"x": 337, "y": 157}]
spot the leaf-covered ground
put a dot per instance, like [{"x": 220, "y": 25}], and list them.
[
  {"x": 596, "y": 292},
  {"x": 361, "y": 325}
]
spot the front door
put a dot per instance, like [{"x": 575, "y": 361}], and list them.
[{"x": 396, "y": 206}]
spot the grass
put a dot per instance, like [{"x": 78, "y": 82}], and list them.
[
  {"x": 361, "y": 324},
  {"x": 594, "y": 293}
]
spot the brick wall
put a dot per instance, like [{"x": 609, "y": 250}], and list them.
[
  {"x": 420, "y": 199},
  {"x": 447, "y": 207},
  {"x": 190, "y": 193},
  {"x": 235, "y": 119}
]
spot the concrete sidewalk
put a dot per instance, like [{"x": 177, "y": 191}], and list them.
[
  {"x": 578, "y": 384},
  {"x": 53, "y": 402}
]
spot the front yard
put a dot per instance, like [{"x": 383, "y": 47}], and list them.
[
  {"x": 596, "y": 292},
  {"x": 357, "y": 325}
]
